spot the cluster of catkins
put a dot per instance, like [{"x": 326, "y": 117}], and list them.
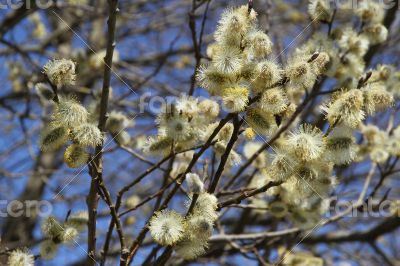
[
  {"x": 57, "y": 233},
  {"x": 240, "y": 68},
  {"x": 71, "y": 121},
  {"x": 185, "y": 123},
  {"x": 188, "y": 235}
]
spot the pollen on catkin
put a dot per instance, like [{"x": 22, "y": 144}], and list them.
[
  {"x": 376, "y": 97},
  {"x": 306, "y": 143},
  {"x": 75, "y": 156},
  {"x": 267, "y": 74},
  {"x": 209, "y": 108},
  {"x": 176, "y": 125},
  {"x": 262, "y": 122},
  {"x": 274, "y": 101},
  {"x": 68, "y": 112},
  {"x": 235, "y": 99},
  {"x": 69, "y": 234},
  {"x": 282, "y": 166},
  {"x": 166, "y": 227},
  {"x": 228, "y": 61},
  {"x": 212, "y": 79},
  {"x": 299, "y": 71},
  {"x": 87, "y": 135},
  {"x": 60, "y": 72},
  {"x": 347, "y": 107},
  {"x": 258, "y": 44},
  {"x": 21, "y": 257}
]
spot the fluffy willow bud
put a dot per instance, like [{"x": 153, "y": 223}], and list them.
[
  {"x": 189, "y": 249},
  {"x": 52, "y": 229},
  {"x": 376, "y": 97},
  {"x": 176, "y": 125},
  {"x": 197, "y": 232},
  {"x": 198, "y": 227},
  {"x": 75, "y": 156},
  {"x": 379, "y": 154},
  {"x": 320, "y": 64},
  {"x": 69, "y": 234},
  {"x": 209, "y": 108},
  {"x": 268, "y": 73},
  {"x": 87, "y": 135},
  {"x": 233, "y": 24},
  {"x": 70, "y": 113},
  {"x": 299, "y": 72},
  {"x": 228, "y": 61},
  {"x": 340, "y": 145},
  {"x": 194, "y": 183},
  {"x": 60, "y": 72},
  {"x": 376, "y": 33},
  {"x": 249, "y": 133},
  {"x": 206, "y": 206},
  {"x": 212, "y": 50},
  {"x": 258, "y": 44},
  {"x": 212, "y": 79},
  {"x": 235, "y": 99},
  {"x": 44, "y": 91},
  {"x": 157, "y": 145},
  {"x": 347, "y": 106},
  {"x": 274, "y": 101},
  {"x": 48, "y": 249},
  {"x": 262, "y": 122},
  {"x": 306, "y": 143},
  {"x": 53, "y": 138},
  {"x": 78, "y": 220},
  {"x": 117, "y": 121},
  {"x": 353, "y": 42},
  {"x": 370, "y": 11},
  {"x": 21, "y": 257},
  {"x": 167, "y": 227},
  {"x": 282, "y": 166},
  {"x": 319, "y": 10}
]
